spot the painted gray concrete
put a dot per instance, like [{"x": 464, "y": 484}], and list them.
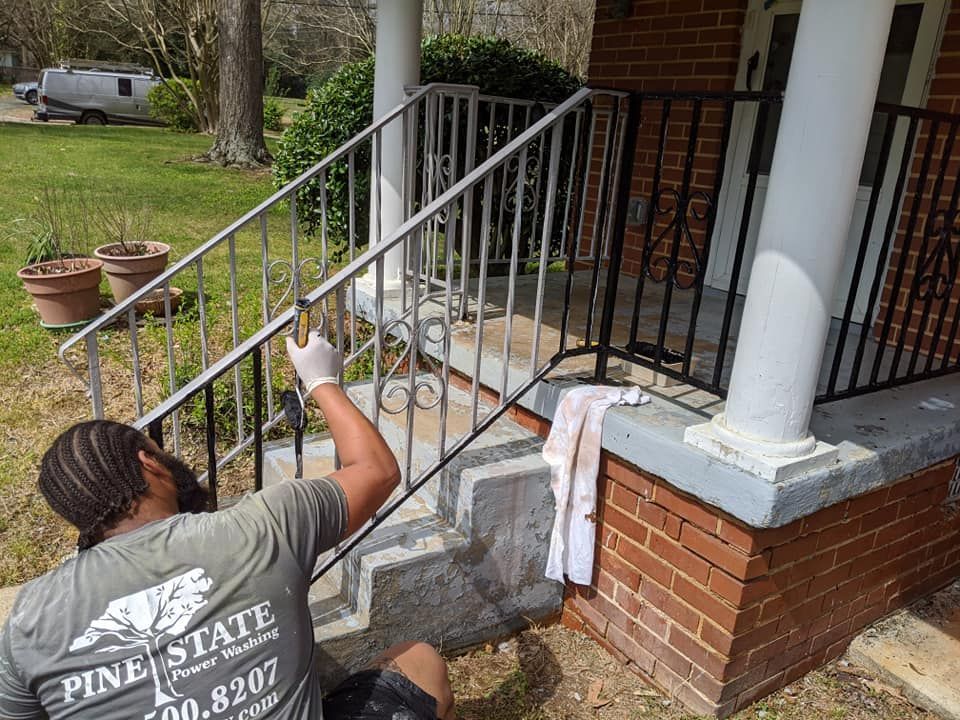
[
  {"x": 461, "y": 562},
  {"x": 881, "y": 437}
]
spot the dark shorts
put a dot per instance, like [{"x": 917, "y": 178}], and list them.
[{"x": 379, "y": 695}]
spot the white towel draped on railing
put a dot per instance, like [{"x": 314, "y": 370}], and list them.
[{"x": 573, "y": 452}]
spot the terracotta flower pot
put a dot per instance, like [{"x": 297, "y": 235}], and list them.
[
  {"x": 129, "y": 273},
  {"x": 64, "y": 298}
]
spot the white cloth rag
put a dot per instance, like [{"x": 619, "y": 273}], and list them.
[{"x": 573, "y": 452}]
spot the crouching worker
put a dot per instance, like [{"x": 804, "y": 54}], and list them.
[{"x": 169, "y": 613}]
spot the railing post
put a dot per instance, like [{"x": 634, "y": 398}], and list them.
[{"x": 622, "y": 201}]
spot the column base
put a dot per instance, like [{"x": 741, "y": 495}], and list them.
[{"x": 771, "y": 461}]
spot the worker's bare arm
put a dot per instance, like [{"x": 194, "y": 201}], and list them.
[{"x": 369, "y": 471}]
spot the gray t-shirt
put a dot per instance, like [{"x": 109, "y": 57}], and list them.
[{"x": 195, "y": 617}]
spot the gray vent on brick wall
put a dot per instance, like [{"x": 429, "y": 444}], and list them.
[{"x": 953, "y": 495}]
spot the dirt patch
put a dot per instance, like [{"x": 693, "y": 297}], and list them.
[{"x": 555, "y": 673}]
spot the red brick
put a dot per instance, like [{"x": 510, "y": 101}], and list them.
[
  {"x": 801, "y": 615},
  {"x": 687, "y": 508},
  {"x": 739, "y": 593},
  {"x": 867, "y": 503},
  {"x": 648, "y": 564},
  {"x": 626, "y": 525},
  {"x": 821, "y": 582},
  {"x": 740, "y": 536},
  {"x": 590, "y": 615},
  {"x": 668, "y": 603},
  {"x": 680, "y": 558},
  {"x": 625, "y": 475},
  {"x": 747, "y": 697},
  {"x": 606, "y": 585},
  {"x": 671, "y": 526},
  {"x": 625, "y": 499},
  {"x": 650, "y": 620},
  {"x": 665, "y": 653},
  {"x": 629, "y": 600},
  {"x": 614, "y": 614},
  {"x": 631, "y": 648},
  {"x": 772, "y": 537},
  {"x": 824, "y": 518},
  {"x": 717, "y": 610},
  {"x": 652, "y": 514},
  {"x": 735, "y": 562},
  {"x": 855, "y": 548},
  {"x": 772, "y": 608},
  {"x": 613, "y": 564},
  {"x": 700, "y": 655},
  {"x": 801, "y": 547},
  {"x": 837, "y": 534},
  {"x": 570, "y": 619}
]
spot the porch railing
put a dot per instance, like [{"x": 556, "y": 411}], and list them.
[
  {"x": 900, "y": 319},
  {"x": 249, "y": 273},
  {"x": 402, "y": 371},
  {"x": 632, "y": 286}
]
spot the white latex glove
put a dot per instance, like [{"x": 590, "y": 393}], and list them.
[{"x": 318, "y": 362}]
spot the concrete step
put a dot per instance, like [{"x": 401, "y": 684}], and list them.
[{"x": 462, "y": 560}]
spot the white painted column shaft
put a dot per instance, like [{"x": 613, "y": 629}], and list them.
[
  {"x": 802, "y": 241},
  {"x": 399, "y": 27}
]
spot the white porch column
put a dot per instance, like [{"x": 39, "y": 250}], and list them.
[
  {"x": 802, "y": 241},
  {"x": 399, "y": 26}
]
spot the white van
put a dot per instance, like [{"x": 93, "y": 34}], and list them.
[{"x": 95, "y": 93}]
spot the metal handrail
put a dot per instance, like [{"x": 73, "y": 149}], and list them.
[
  {"x": 280, "y": 195},
  {"x": 424, "y": 330},
  {"x": 369, "y": 257}
]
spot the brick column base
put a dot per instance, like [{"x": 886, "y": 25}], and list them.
[{"x": 719, "y": 614}]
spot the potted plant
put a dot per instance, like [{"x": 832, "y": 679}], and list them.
[
  {"x": 64, "y": 282},
  {"x": 129, "y": 259}
]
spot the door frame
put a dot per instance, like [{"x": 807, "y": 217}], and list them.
[{"x": 757, "y": 30}]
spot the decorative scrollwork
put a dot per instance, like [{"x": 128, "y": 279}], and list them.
[
  {"x": 439, "y": 174},
  {"x": 280, "y": 274},
  {"x": 937, "y": 271},
  {"x": 662, "y": 264},
  {"x": 428, "y": 390},
  {"x": 529, "y": 183}
]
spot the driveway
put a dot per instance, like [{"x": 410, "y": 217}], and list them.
[{"x": 13, "y": 110}]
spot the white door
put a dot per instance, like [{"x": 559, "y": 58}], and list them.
[{"x": 765, "y": 58}]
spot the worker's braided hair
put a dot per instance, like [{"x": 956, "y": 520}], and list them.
[{"x": 92, "y": 474}]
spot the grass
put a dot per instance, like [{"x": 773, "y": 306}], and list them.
[
  {"x": 291, "y": 106},
  {"x": 189, "y": 202}
]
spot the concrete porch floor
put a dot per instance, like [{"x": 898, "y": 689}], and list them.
[{"x": 522, "y": 332}]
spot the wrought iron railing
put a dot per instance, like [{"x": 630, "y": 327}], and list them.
[
  {"x": 402, "y": 370},
  {"x": 247, "y": 274},
  {"x": 675, "y": 160},
  {"x": 682, "y": 268},
  {"x": 631, "y": 287},
  {"x": 900, "y": 319}
]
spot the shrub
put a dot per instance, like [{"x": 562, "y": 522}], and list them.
[
  {"x": 343, "y": 106},
  {"x": 169, "y": 104},
  {"x": 272, "y": 113}
]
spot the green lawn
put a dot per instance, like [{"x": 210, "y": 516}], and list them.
[{"x": 189, "y": 202}]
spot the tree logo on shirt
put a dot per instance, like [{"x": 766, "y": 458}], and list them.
[{"x": 143, "y": 618}]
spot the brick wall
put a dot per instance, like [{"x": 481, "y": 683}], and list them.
[
  {"x": 719, "y": 614},
  {"x": 669, "y": 45}
]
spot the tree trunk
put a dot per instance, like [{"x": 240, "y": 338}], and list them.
[{"x": 240, "y": 127}]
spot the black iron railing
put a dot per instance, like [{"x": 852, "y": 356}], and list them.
[
  {"x": 675, "y": 157},
  {"x": 896, "y": 310},
  {"x": 900, "y": 320}
]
